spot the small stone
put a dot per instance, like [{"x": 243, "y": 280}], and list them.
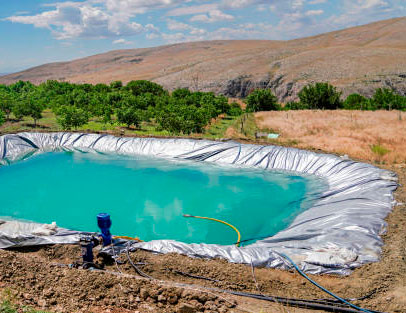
[
  {"x": 48, "y": 293},
  {"x": 27, "y": 296},
  {"x": 186, "y": 308},
  {"x": 42, "y": 302},
  {"x": 144, "y": 293},
  {"x": 196, "y": 304},
  {"x": 161, "y": 298},
  {"x": 173, "y": 299},
  {"x": 231, "y": 304}
]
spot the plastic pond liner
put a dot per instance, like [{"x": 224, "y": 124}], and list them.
[{"x": 325, "y": 212}]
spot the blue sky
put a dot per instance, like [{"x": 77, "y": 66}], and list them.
[{"x": 33, "y": 32}]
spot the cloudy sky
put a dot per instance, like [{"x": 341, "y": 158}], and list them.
[{"x": 34, "y": 32}]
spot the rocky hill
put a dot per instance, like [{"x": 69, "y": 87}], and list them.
[{"x": 357, "y": 59}]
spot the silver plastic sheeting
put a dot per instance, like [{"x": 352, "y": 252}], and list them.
[{"x": 340, "y": 232}]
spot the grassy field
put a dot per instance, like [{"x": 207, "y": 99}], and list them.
[
  {"x": 48, "y": 122},
  {"x": 375, "y": 136}
]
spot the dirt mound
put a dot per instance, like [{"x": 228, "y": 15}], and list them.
[{"x": 357, "y": 59}]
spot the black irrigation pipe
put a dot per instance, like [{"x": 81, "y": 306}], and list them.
[
  {"x": 195, "y": 276},
  {"x": 299, "y": 303},
  {"x": 141, "y": 273}
]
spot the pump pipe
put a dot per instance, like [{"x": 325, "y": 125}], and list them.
[{"x": 219, "y": 221}]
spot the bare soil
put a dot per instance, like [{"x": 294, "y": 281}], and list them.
[{"x": 38, "y": 278}]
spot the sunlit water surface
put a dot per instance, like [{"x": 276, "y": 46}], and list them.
[{"x": 147, "y": 196}]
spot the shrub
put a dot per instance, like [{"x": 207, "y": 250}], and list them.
[
  {"x": 379, "y": 150},
  {"x": 235, "y": 109},
  {"x": 387, "y": 99},
  {"x": 262, "y": 100},
  {"x": 320, "y": 96},
  {"x": 355, "y": 102}
]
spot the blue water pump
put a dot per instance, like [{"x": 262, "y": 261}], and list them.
[{"x": 104, "y": 223}]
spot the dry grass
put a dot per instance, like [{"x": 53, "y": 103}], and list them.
[{"x": 374, "y": 136}]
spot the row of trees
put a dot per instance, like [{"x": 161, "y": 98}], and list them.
[
  {"x": 325, "y": 96},
  {"x": 182, "y": 111}
]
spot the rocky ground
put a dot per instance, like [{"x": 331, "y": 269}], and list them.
[{"x": 39, "y": 278}]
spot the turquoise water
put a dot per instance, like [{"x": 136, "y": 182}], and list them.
[{"x": 147, "y": 197}]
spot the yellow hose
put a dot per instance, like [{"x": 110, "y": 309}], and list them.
[
  {"x": 126, "y": 237},
  {"x": 220, "y": 221}
]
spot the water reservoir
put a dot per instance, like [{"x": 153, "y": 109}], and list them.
[{"x": 147, "y": 196}]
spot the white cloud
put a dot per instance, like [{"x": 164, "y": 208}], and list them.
[
  {"x": 236, "y": 4},
  {"x": 77, "y": 19},
  {"x": 118, "y": 19},
  {"x": 122, "y": 41},
  {"x": 314, "y": 12},
  {"x": 212, "y": 17},
  {"x": 132, "y": 7},
  {"x": 190, "y": 10},
  {"x": 179, "y": 26}
]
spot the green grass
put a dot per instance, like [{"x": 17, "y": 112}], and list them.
[
  {"x": 49, "y": 123},
  {"x": 379, "y": 150},
  {"x": 7, "y": 298},
  {"x": 8, "y": 307},
  {"x": 219, "y": 127}
]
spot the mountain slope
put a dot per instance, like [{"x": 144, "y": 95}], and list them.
[{"x": 355, "y": 59}]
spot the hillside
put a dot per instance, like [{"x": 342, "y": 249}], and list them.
[{"x": 357, "y": 59}]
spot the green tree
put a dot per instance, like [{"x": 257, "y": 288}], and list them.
[
  {"x": 320, "y": 96},
  {"x": 2, "y": 118},
  {"x": 235, "y": 109},
  {"x": 355, "y": 102},
  {"x": 6, "y": 103},
  {"x": 181, "y": 93},
  {"x": 387, "y": 99},
  {"x": 71, "y": 117},
  {"x": 116, "y": 85},
  {"x": 139, "y": 87},
  {"x": 180, "y": 118},
  {"x": 129, "y": 115},
  {"x": 29, "y": 105},
  {"x": 262, "y": 100}
]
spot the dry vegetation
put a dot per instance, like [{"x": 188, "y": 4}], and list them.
[{"x": 372, "y": 136}]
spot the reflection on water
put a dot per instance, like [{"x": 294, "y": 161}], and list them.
[{"x": 147, "y": 196}]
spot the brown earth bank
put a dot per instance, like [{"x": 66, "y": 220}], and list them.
[
  {"x": 357, "y": 59},
  {"x": 38, "y": 277}
]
